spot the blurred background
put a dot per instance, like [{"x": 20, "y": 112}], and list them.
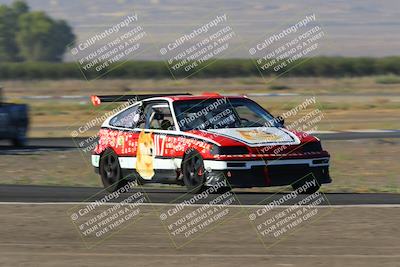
[{"x": 53, "y": 56}]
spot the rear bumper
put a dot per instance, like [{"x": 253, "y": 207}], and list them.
[{"x": 275, "y": 173}]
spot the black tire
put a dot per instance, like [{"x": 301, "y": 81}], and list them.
[
  {"x": 193, "y": 172},
  {"x": 310, "y": 190},
  {"x": 110, "y": 171},
  {"x": 20, "y": 138}
]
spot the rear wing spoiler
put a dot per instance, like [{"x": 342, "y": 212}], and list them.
[{"x": 97, "y": 100}]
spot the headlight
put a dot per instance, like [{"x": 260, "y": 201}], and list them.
[{"x": 312, "y": 147}]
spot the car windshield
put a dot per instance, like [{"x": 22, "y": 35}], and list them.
[{"x": 220, "y": 113}]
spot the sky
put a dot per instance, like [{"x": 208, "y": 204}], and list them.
[{"x": 351, "y": 28}]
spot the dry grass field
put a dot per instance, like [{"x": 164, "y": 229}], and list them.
[{"x": 347, "y": 103}]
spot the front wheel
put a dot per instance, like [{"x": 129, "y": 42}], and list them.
[
  {"x": 193, "y": 172},
  {"x": 110, "y": 171}
]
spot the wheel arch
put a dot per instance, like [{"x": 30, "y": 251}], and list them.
[
  {"x": 186, "y": 153},
  {"x": 104, "y": 151}
]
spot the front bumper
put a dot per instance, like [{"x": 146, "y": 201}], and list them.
[{"x": 276, "y": 173}]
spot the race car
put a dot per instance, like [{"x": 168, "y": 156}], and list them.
[
  {"x": 200, "y": 141},
  {"x": 14, "y": 122}
]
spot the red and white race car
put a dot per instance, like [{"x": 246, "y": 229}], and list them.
[{"x": 201, "y": 141}]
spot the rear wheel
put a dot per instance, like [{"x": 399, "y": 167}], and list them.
[
  {"x": 110, "y": 171},
  {"x": 193, "y": 172}
]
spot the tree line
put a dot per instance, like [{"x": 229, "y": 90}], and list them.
[
  {"x": 32, "y": 45},
  {"x": 316, "y": 67},
  {"x": 31, "y": 35}
]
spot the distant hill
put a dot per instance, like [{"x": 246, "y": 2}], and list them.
[{"x": 353, "y": 27}]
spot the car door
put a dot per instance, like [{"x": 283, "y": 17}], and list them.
[
  {"x": 156, "y": 124},
  {"x": 125, "y": 136}
]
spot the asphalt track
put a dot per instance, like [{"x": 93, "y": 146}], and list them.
[
  {"x": 47, "y": 194},
  {"x": 58, "y": 194}
]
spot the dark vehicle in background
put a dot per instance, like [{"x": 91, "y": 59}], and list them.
[{"x": 14, "y": 122}]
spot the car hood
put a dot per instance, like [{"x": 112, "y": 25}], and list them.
[{"x": 258, "y": 136}]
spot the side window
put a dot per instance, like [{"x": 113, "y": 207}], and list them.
[
  {"x": 128, "y": 118},
  {"x": 158, "y": 116}
]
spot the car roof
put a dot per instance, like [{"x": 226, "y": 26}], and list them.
[{"x": 201, "y": 97}]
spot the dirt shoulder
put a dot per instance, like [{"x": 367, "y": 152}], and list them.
[{"x": 43, "y": 235}]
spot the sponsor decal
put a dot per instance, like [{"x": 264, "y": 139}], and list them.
[
  {"x": 145, "y": 155},
  {"x": 258, "y": 135},
  {"x": 121, "y": 141},
  {"x": 159, "y": 141}
]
